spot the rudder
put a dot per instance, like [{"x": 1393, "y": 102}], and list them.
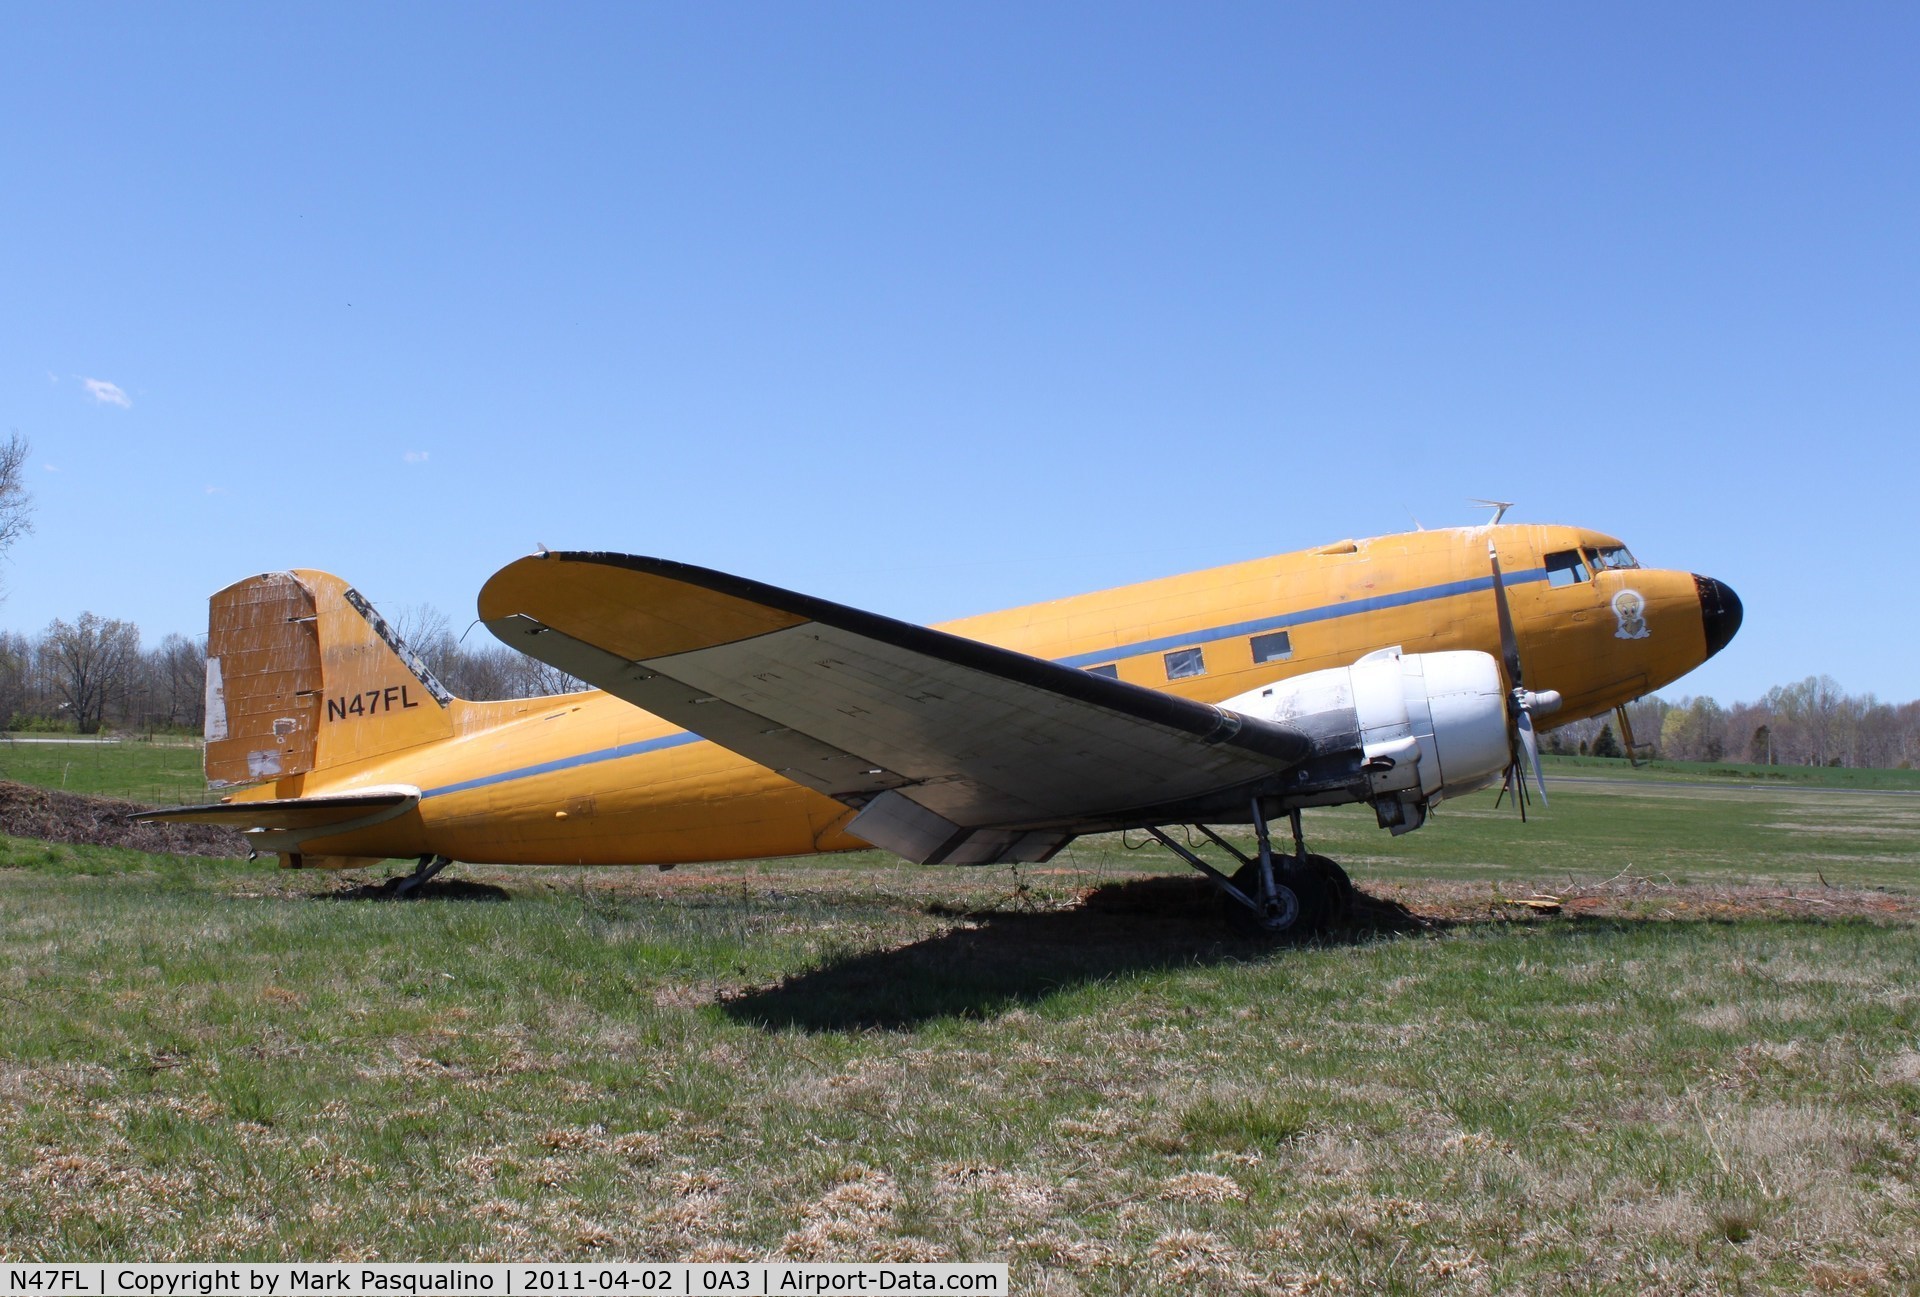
[{"x": 303, "y": 674}]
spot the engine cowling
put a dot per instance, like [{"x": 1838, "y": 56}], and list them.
[{"x": 1401, "y": 731}]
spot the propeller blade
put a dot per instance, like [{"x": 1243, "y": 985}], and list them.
[
  {"x": 1524, "y": 724},
  {"x": 1520, "y": 703},
  {"x": 1509, "y": 643}
]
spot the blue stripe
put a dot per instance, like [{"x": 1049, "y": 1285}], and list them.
[
  {"x": 1326, "y": 612},
  {"x": 567, "y": 763}
]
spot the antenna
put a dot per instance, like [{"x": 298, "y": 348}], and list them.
[{"x": 1499, "y": 508}]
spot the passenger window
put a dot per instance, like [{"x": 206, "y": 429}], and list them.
[
  {"x": 1111, "y": 670},
  {"x": 1566, "y": 568},
  {"x": 1182, "y": 663},
  {"x": 1271, "y": 648},
  {"x": 1605, "y": 560}
]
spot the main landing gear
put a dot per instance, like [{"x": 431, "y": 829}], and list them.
[
  {"x": 1271, "y": 895},
  {"x": 407, "y": 885}
]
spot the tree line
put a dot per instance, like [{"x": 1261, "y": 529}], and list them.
[
  {"x": 1813, "y": 722},
  {"x": 93, "y": 673}
]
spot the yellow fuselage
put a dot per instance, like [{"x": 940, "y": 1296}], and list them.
[{"x": 589, "y": 779}]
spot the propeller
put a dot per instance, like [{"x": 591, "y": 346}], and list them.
[{"x": 1522, "y": 702}]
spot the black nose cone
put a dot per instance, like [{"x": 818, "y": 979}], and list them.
[{"x": 1720, "y": 611}]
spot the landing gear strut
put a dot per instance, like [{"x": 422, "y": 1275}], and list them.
[
  {"x": 1270, "y": 895},
  {"x": 407, "y": 885}
]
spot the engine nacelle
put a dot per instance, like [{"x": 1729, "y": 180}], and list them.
[{"x": 1398, "y": 730}]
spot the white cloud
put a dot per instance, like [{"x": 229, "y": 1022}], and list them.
[
  {"x": 216, "y": 490},
  {"x": 51, "y": 468},
  {"x": 107, "y": 393},
  {"x": 415, "y": 457}
]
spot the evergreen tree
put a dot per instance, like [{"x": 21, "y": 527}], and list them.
[{"x": 1606, "y": 745}]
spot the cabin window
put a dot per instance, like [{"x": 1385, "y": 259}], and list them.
[
  {"x": 1182, "y": 663},
  {"x": 1605, "y": 560},
  {"x": 1111, "y": 670},
  {"x": 1271, "y": 648},
  {"x": 1566, "y": 568}
]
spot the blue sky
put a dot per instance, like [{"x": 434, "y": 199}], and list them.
[{"x": 940, "y": 308}]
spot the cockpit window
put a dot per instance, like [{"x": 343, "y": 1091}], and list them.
[
  {"x": 1605, "y": 560},
  {"x": 1566, "y": 568}
]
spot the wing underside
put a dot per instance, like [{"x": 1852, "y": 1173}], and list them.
[{"x": 953, "y": 750}]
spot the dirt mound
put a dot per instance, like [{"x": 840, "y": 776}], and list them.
[
  {"x": 28, "y": 812},
  {"x": 1637, "y": 898}
]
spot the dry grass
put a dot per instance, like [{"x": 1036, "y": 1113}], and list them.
[{"x": 1679, "y": 1082}]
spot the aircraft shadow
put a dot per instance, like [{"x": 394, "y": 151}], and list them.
[
  {"x": 1003, "y": 959},
  {"x": 436, "y": 889}
]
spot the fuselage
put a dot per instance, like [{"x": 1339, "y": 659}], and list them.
[{"x": 589, "y": 779}]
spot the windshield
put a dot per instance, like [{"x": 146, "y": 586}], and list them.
[{"x": 1607, "y": 559}]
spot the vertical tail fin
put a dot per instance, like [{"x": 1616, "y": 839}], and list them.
[{"x": 303, "y": 674}]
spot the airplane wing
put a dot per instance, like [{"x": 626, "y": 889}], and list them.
[{"x": 955, "y": 751}]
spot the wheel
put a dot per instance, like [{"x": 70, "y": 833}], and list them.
[
  {"x": 1293, "y": 909},
  {"x": 1337, "y": 887}
]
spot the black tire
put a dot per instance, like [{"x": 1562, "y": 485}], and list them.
[{"x": 1337, "y": 887}]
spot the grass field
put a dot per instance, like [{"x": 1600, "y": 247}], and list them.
[
  {"x": 159, "y": 771},
  {"x": 1704, "y": 1074},
  {"x": 1735, "y": 773}
]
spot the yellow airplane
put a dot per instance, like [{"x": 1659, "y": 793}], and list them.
[{"x": 732, "y": 719}]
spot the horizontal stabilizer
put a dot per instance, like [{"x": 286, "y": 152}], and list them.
[{"x": 283, "y": 823}]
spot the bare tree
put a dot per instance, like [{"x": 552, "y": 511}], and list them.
[
  {"x": 16, "y": 506},
  {"x": 90, "y": 662},
  {"x": 428, "y": 634},
  {"x": 16, "y": 665},
  {"x": 179, "y": 669},
  {"x": 536, "y": 679},
  {"x": 485, "y": 671}
]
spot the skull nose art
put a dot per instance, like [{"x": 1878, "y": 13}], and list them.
[{"x": 1720, "y": 612}]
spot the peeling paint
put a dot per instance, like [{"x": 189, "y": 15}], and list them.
[{"x": 216, "y": 703}]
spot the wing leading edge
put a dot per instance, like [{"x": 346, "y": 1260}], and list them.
[{"x": 954, "y": 750}]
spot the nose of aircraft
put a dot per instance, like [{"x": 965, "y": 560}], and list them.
[{"x": 1720, "y": 611}]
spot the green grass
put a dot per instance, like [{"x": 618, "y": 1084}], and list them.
[
  {"x": 157, "y": 772},
  {"x": 1677, "y": 832},
  {"x": 854, "y": 1058},
  {"x": 1733, "y": 772}
]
